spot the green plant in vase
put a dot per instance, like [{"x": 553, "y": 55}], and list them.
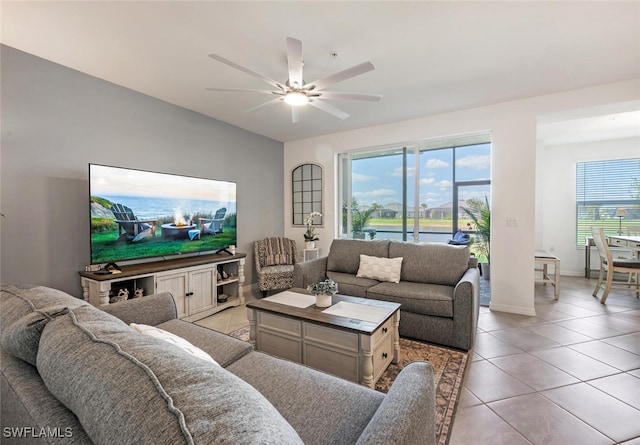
[
  {"x": 360, "y": 219},
  {"x": 323, "y": 291}
]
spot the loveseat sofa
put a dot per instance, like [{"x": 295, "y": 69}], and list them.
[
  {"x": 76, "y": 374},
  {"x": 437, "y": 284}
]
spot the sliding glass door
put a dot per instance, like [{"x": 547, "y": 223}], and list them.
[
  {"x": 375, "y": 193},
  {"x": 436, "y": 182},
  {"x": 414, "y": 192}
]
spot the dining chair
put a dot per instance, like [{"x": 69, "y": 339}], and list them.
[
  {"x": 609, "y": 265},
  {"x": 634, "y": 231}
]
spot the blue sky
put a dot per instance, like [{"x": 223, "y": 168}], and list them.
[
  {"x": 379, "y": 179},
  {"x": 116, "y": 181}
]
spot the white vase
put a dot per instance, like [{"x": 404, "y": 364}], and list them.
[
  {"x": 309, "y": 245},
  {"x": 323, "y": 300}
]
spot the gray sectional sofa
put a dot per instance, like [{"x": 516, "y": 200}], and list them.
[
  {"x": 438, "y": 288},
  {"x": 76, "y": 374}
]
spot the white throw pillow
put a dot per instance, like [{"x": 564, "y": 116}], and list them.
[
  {"x": 173, "y": 339},
  {"x": 381, "y": 269}
]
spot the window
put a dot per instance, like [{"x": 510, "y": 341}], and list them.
[
  {"x": 603, "y": 187},
  {"x": 414, "y": 191},
  {"x": 306, "y": 186}
]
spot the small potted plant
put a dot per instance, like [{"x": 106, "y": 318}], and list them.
[
  {"x": 323, "y": 291},
  {"x": 310, "y": 235},
  {"x": 359, "y": 220}
]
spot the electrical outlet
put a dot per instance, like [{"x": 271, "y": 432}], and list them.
[{"x": 512, "y": 222}]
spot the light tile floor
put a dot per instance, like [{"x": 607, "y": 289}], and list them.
[
  {"x": 230, "y": 319},
  {"x": 569, "y": 375}
]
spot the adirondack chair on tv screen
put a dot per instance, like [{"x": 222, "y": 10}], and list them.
[
  {"x": 215, "y": 225},
  {"x": 130, "y": 227}
]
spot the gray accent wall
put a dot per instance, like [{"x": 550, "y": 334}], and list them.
[{"x": 55, "y": 121}]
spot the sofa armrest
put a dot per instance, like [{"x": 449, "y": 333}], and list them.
[
  {"x": 473, "y": 262},
  {"x": 466, "y": 307},
  {"x": 407, "y": 415},
  {"x": 309, "y": 272},
  {"x": 151, "y": 310}
]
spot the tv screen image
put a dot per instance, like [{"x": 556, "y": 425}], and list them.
[{"x": 139, "y": 214}]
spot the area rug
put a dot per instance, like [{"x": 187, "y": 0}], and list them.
[{"x": 448, "y": 364}]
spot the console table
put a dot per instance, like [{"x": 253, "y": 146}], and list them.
[
  {"x": 546, "y": 259},
  {"x": 629, "y": 242},
  {"x": 195, "y": 283}
]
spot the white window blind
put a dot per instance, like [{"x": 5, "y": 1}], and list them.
[{"x": 603, "y": 187}]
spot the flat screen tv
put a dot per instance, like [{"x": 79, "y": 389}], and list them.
[{"x": 139, "y": 214}]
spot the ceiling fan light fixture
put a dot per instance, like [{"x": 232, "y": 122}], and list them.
[
  {"x": 298, "y": 93},
  {"x": 296, "y": 98}
]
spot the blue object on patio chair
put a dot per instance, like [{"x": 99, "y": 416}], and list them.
[{"x": 460, "y": 239}]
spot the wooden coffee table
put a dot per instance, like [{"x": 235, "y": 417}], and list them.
[{"x": 354, "y": 338}]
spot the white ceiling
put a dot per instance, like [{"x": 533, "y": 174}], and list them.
[
  {"x": 591, "y": 125},
  {"x": 430, "y": 57}
]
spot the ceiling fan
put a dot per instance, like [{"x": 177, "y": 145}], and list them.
[{"x": 296, "y": 92}]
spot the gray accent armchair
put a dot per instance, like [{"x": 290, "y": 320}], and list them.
[{"x": 275, "y": 261}]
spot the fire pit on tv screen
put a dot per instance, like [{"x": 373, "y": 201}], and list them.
[{"x": 142, "y": 214}]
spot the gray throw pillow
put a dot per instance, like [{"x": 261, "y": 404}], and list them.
[
  {"x": 22, "y": 338},
  {"x": 344, "y": 255},
  {"x": 432, "y": 263},
  {"x": 25, "y": 310}
]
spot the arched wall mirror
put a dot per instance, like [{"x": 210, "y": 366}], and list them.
[{"x": 306, "y": 187}]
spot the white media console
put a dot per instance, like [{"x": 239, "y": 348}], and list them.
[{"x": 200, "y": 285}]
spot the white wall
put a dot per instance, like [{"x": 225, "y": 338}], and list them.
[
  {"x": 513, "y": 128},
  {"x": 557, "y": 186}
]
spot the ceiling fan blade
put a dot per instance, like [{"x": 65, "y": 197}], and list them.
[
  {"x": 247, "y": 70},
  {"x": 328, "y": 108},
  {"x": 342, "y": 75},
  {"x": 294, "y": 57},
  {"x": 241, "y": 90},
  {"x": 263, "y": 105},
  {"x": 295, "y": 114},
  {"x": 350, "y": 96}
]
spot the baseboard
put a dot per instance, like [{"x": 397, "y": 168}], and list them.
[
  {"x": 250, "y": 287},
  {"x": 578, "y": 273},
  {"x": 512, "y": 309}
]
